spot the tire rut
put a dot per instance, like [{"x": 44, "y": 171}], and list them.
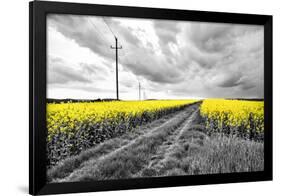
[{"x": 168, "y": 145}]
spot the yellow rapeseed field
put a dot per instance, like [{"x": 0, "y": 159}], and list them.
[
  {"x": 74, "y": 127},
  {"x": 63, "y": 117},
  {"x": 234, "y": 113}
]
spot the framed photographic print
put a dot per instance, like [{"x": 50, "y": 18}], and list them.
[{"x": 130, "y": 97}]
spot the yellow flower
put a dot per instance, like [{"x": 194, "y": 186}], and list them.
[
  {"x": 234, "y": 112},
  {"x": 64, "y": 117}
]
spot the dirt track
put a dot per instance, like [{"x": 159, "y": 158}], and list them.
[{"x": 135, "y": 153}]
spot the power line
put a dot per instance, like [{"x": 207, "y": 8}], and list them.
[
  {"x": 99, "y": 33},
  {"x": 116, "y": 57},
  {"x": 108, "y": 27},
  {"x": 112, "y": 47}
]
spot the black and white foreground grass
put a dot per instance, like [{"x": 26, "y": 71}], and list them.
[{"x": 176, "y": 144}]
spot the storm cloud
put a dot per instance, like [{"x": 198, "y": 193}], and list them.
[
  {"x": 60, "y": 73},
  {"x": 172, "y": 58}
]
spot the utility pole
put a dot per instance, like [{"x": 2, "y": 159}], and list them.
[
  {"x": 139, "y": 91},
  {"x": 116, "y": 52},
  {"x": 144, "y": 95}
]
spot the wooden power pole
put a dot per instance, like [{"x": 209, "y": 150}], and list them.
[
  {"x": 139, "y": 91},
  {"x": 116, "y": 52}
]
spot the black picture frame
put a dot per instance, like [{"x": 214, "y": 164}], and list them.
[{"x": 37, "y": 96}]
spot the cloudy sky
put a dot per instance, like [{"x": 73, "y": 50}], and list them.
[{"x": 171, "y": 59}]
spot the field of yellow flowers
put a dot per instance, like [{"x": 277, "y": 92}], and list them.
[
  {"x": 73, "y": 127},
  {"x": 245, "y": 118}
]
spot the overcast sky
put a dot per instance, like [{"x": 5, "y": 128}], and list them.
[{"x": 171, "y": 59}]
